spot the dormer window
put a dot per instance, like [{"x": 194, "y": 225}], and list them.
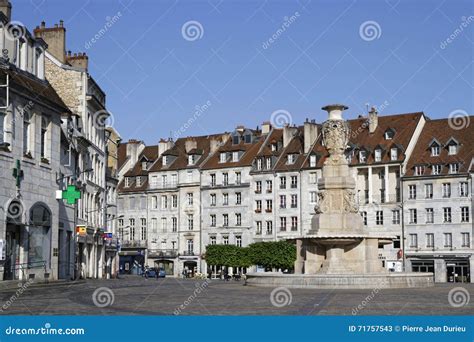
[
  {"x": 127, "y": 182},
  {"x": 164, "y": 160},
  {"x": 435, "y": 150},
  {"x": 291, "y": 158},
  {"x": 419, "y": 170},
  {"x": 452, "y": 149},
  {"x": 362, "y": 156},
  {"x": 139, "y": 181},
  {"x": 378, "y": 155},
  {"x": 259, "y": 164},
  {"x": 222, "y": 157},
  {"x": 454, "y": 168},
  {"x": 191, "y": 159},
  {"x": 394, "y": 154},
  {"x": 144, "y": 165},
  {"x": 236, "y": 139},
  {"x": 389, "y": 134},
  {"x": 235, "y": 156},
  {"x": 312, "y": 160},
  {"x": 274, "y": 147},
  {"x": 269, "y": 163},
  {"x": 248, "y": 138},
  {"x": 436, "y": 169}
]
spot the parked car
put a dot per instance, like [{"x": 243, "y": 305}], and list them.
[{"x": 161, "y": 273}]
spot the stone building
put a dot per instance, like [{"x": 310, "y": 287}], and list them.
[
  {"x": 68, "y": 74},
  {"x": 32, "y": 240},
  {"x": 437, "y": 202}
]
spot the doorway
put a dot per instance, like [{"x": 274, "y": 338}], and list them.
[
  {"x": 458, "y": 271},
  {"x": 12, "y": 252}
]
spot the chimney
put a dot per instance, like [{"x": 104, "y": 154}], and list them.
[
  {"x": 133, "y": 150},
  {"x": 373, "y": 120},
  {"x": 55, "y": 37},
  {"x": 6, "y": 8},
  {"x": 78, "y": 60},
  {"x": 214, "y": 145},
  {"x": 266, "y": 127},
  {"x": 190, "y": 144},
  {"x": 310, "y": 134},
  {"x": 288, "y": 134},
  {"x": 240, "y": 128},
  {"x": 164, "y": 145}
]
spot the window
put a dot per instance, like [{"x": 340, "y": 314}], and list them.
[
  {"x": 294, "y": 201},
  {"x": 395, "y": 216},
  {"x": 312, "y": 160},
  {"x": 436, "y": 169},
  {"x": 419, "y": 170},
  {"x": 269, "y": 186},
  {"x": 27, "y": 135},
  {"x": 225, "y": 219},
  {"x": 291, "y": 158},
  {"x": 283, "y": 224},
  {"x": 190, "y": 244},
  {"x": 225, "y": 199},
  {"x": 413, "y": 240},
  {"x": 222, "y": 157},
  {"x": 238, "y": 198},
  {"x": 44, "y": 137},
  {"x": 446, "y": 190},
  {"x": 294, "y": 182},
  {"x": 447, "y": 215},
  {"x": 452, "y": 149},
  {"x": 213, "y": 200},
  {"x": 213, "y": 220},
  {"x": 225, "y": 179},
  {"x": 282, "y": 182},
  {"x": 258, "y": 206},
  {"x": 269, "y": 163},
  {"x": 465, "y": 240},
  {"x": 429, "y": 215},
  {"x": 154, "y": 226},
  {"x": 364, "y": 217},
  {"x": 235, "y": 139},
  {"x": 463, "y": 189},
  {"x": 213, "y": 179},
  {"x": 174, "y": 180},
  {"x": 379, "y": 217},
  {"x": 269, "y": 227},
  {"x": 464, "y": 214},
  {"x": 238, "y": 241},
  {"x": 429, "y": 191},
  {"x": 313, "y": 178},
  {"x": 393, "y": 154},
  {"x": 248, "y": 138},
  {"x": 190, "y": 222},
  {"x": 434, "y": 150},
  {"x": 313, "y": 197},
  {"x": 294, "y": 223},
  {"x": 283, "y": 201},
  {"x": 259, "y": 164},
  {"x": 269, "y": 206},
  {"x": 448, "y": 240},
  {"x": 454, "y": 168},
  {"x": 362, "y": 156},
  {"x": 225, "y": 240},
  {"x": 389, "y": 134},
  {"x": 164, "y": 160},
  {"x": 258, "y": 187},
  {"x": 378, "y": 155},
  {"x": 413, "y": 216},
  {"x": 2, "y": 127},
  {"x": 164, "y": 181},
  {"x": 238, "y": 177},
  {"x": 164, "y": 225},
  {"x": 164, "y": 202},
  {"x": 213, "y": 241},
  {"x": 238, "y": 219},
  {"x": 154, "y": 202},
  {"x": 127, "y": 182},
  {"x": 412, "y": 192},
  {"x": 190, "y": 198},
  {"x": 132, "y": 228},
  {"x": 174, "y": 201},
  {"x": 235, "y": 156},
  {"x": 143, "y": 222},
  {"x": 174, "y": 224},
  {"x": 259, "y": 227},
  {"x": 430, "y": 240},
  {"x": 139, "y": 181},
  {"x": 189, "y": 176}
]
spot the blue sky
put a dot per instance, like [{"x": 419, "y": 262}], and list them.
[{"x": 155, "y": 75}]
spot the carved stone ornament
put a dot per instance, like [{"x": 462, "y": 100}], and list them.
[
  {"x": 323, "y": 202},
  {"x": 336, "y": 136},
  {"x": 350, "y": 203}
]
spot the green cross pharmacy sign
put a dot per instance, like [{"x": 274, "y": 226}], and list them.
[{"x": 71, "y": 194}]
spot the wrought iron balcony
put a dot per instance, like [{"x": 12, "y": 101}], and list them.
[
  {"x": 134, "y": 244},
  {"x": 162, "y": 253}
]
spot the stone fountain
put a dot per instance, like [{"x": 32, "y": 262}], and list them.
[{"x": 338, "y": 252}]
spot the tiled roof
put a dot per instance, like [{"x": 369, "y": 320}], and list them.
[
  {"x": 443, "y": 131},
  {"x": 150, "y": 153}
]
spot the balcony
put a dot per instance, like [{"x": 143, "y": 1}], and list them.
[
  {"x": 134, "y": 244},
  {"x": 162, "y": 253},
  {"x": 268, "y": 210},
  {"x": 258, "y": 211}
]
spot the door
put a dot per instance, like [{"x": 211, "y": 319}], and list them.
[
  {"x": 458, "y": 272},
  {"x": 12, "y": 253}
]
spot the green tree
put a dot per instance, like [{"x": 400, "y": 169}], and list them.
[
  {"x": 227, "y": 255},
  {"x": 280, "y": 254}
]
